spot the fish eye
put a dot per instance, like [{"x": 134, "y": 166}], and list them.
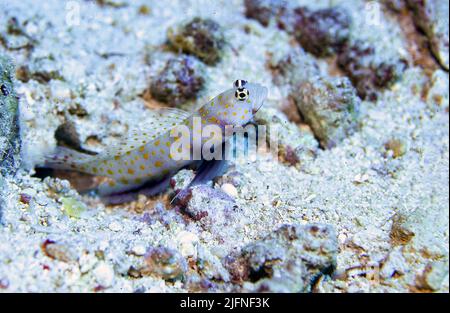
[
  {"x": 241, "y": 94},
  {"x": 4, "y": 90},
  {"x": 240, "y": 83}
]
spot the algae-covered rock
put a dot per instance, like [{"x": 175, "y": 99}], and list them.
[
  {"x": 9, "y": 127},
  {"x": 322, "y": 32},
  {"x": 432, "y": 17},
  {"x": 287, "y": 260},
  {"x": 203, "y": 38},
  {"x": 179, "y": 81}
]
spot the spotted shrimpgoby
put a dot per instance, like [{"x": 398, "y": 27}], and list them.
[{"x": 144, "y": 163}]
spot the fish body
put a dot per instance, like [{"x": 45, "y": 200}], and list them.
[{"x": 147, "y": 153}]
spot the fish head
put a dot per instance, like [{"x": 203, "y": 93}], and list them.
[{"x": 237, "y": 105}]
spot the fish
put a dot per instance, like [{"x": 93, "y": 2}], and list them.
[{"x": 143, "y": 162}]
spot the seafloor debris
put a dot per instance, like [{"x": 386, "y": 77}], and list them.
[
  {"x": 289, "y": 259},
  {"x": 397, "y": 146},
  {"x": 322, "y": 32},
  {"x": 41, "y": 73},
  {"x": 179, "y": 81},
  {"x": 9, "y": 127},
  {"x": 203, "y": 38},
  {"x": 431, "y": 16},
  {"x": 368, "y": 72}
]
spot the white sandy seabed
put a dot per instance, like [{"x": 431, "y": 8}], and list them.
[{"x": 344, "y": 186}]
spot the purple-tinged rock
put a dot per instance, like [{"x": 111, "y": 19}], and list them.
[
  {"x": 179, "y": 81},
  {"x": 322, "y": 32}
]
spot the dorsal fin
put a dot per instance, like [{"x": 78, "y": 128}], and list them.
[{"x": 163, "y": 121}]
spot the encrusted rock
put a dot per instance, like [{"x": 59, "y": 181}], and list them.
[
  {"x": 322, "y": 32},
  {"x": 164, "y": 262},
  {"x": 179, "y": 81},
  {"x": 162, "y": 215},
  {"x": 287, "y": 260},
  {"x": 203, "y": 38},
  {"x": 368, "y": 72},
  {"x": 330, "y": 106},
  {"x": 9, "y": 127},
  {"x": 432, "y": 17},
  {"x": 211, "y": 207}
]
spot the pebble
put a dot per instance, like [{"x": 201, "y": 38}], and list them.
[
  {"x": 138, "y": 250},
  {"x": 87, "y": 262},
  {"x": 361, "y": 178},
  {"x": 115, "y": 226},
  {"x": 42, "y": 199},
  {"x": 342, "y": 238},
  {"x": 104, "y": 274},
  {"x": 230, "y": 190},
  {"x": 187, "y": 243}
]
